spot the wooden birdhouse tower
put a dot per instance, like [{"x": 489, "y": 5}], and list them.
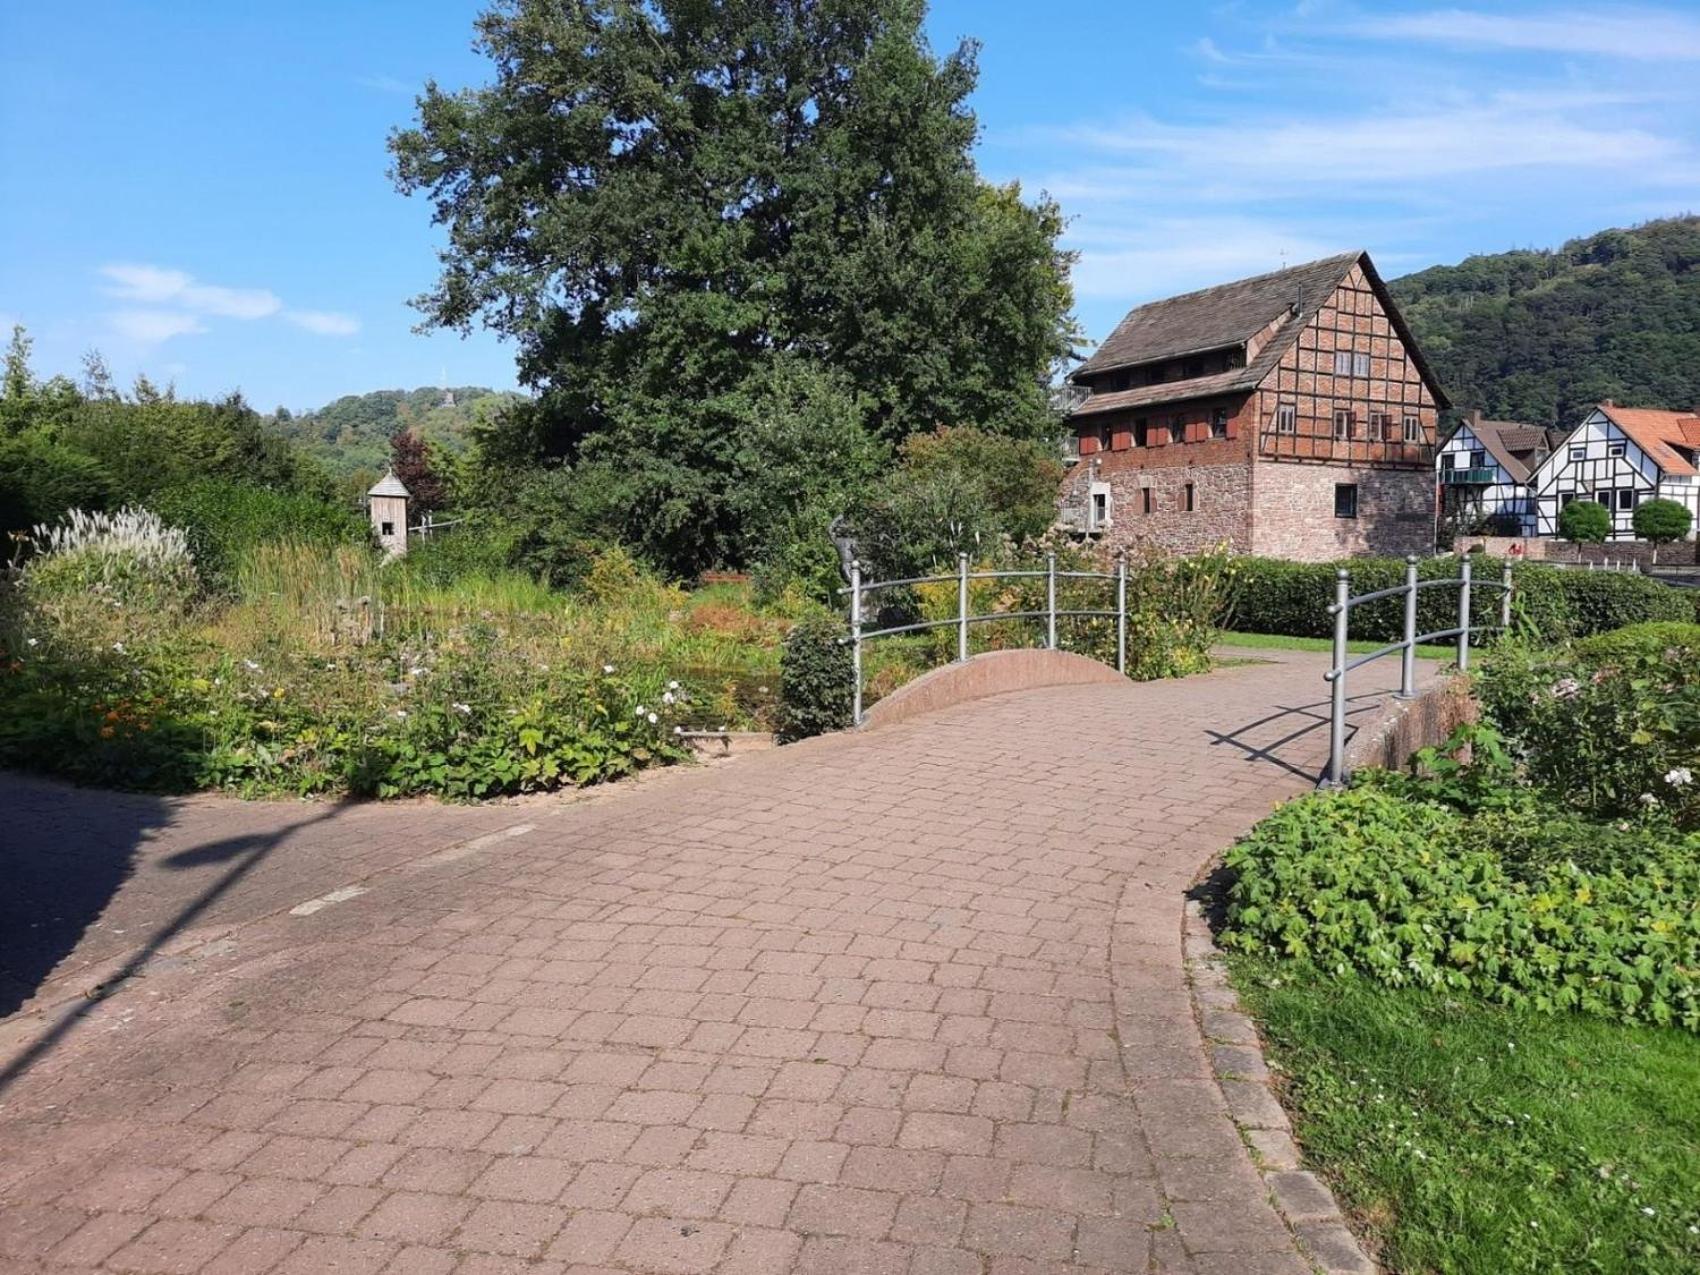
[{"x": 386, "y": 505}]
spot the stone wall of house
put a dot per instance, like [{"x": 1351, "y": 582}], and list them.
[
  {"x": 1220, "y": 514},
  {"x": 1293, "y": 511},
  {"x": 1547, "y": 549}
]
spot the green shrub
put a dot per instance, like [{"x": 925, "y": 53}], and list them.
[
  {"x": 40, "y": 480},
  {"x": 1550, "y": 604},
  {"x": 1600, "y": 601},
  {"x": 1584, "y": 522},
  {"x": 224, "y": 520},
  {"x": 1369, "y": 882},
  {"x": 815, "y": 692},
  {"x": 460, "y": 553},
  {"x": 1662, "y": 521},
  {"x": 1656, "y": 637}
]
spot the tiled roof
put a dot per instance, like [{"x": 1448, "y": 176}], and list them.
[
  {"x": 1658, "y": 433},
  {"x": 1230, "y": 314},
  {"x": 1512, "y": 443}
]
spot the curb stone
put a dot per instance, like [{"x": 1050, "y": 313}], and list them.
[{"x": 1236, "y": 1059}]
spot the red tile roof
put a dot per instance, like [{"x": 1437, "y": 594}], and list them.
[{"x": 1659, "y": 433}]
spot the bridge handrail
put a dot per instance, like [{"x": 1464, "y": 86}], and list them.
[
  {"x": 1341, "y": 610},
  {"x": 858, "y": 589}
]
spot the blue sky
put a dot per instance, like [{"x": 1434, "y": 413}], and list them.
[{"x": 198, "y": 188}]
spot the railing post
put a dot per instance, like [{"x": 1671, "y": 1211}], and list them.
[
  {"x": 1337, "y": 713},
  {"x": 962, "y": 608},
  {"x": 1464, "y": 615},
  {"x": 1505, "y": 600},
  {"x": 1121, "y": 613},
  {"x": 1408, "y": 656},
  {"x": 1051, "y": 601},
  {"x": 856, "y": 642}
]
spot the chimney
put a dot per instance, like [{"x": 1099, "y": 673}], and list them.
[{"x": 1474, "y": 416}]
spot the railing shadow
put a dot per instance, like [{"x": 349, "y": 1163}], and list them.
[
  {"x": 243, "y": 853},
  {"x": 1316, "y": 718}
]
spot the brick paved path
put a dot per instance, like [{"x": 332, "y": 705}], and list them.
[{"x": 905, "y": 1002}]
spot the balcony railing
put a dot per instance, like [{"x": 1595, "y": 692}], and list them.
[{"x": 1467, "y": 477}]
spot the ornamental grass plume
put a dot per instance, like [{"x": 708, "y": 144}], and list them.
[{"x": 100, "y": 578}]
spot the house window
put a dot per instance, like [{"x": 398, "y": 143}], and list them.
[
  {"x": 1626, "y": 498},
  {"x": 1614, "y": 449},
  {"x": 1141, "y": 432},
  {"x": 1187, "y": 504},
  {"x": 1343, "y": 422},
  {"x": 1578, "y": 453},
  {"x": 1413, "y": 429},
  {"x": 1219, "y": 423},
  {"x": 1345, "y": 500},
  {"x": 1566, "y": 498},
  {"x": 1286, "y": 418},
  {"x": 1478, "y": 460},
  {"x": 1346, "y": 363},
  {"x": 1177, "y": 430},
  {"x": 386, "y": 529},
  {"x": 1381, "y": 426},
  {"x": 1104, "y": 438},
  {"x": 1147, "y": 502},
  {"x": 1603, "y": 495}
]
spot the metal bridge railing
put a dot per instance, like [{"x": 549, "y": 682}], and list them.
[
  {"x": 859, "y": 588},
  {"x": 1341, "y": 610}
]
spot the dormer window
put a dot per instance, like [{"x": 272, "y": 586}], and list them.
[{"x": 1177, "y": 430}]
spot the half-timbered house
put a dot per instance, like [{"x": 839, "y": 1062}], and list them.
[
  {"x": 1621, "y": 456},
  {"x": 1289, "y": 415},
  {"x": 1483, "y": 473}
]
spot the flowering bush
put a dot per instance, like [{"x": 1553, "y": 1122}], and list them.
[{"x": 1610, "y": 726}]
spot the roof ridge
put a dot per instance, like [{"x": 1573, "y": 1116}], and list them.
[{"x": 1353, "y": 255}]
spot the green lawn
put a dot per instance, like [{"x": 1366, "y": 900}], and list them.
[
  {"x": 1469, "y": 1138},
  {"x": 1279, "y": 642}
]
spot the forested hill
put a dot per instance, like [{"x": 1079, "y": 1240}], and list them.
[
  {"x": 1542, "y": 336},
  {"x": 354, "y": 432}
]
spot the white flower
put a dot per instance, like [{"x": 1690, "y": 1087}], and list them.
[
  {"x": 415, "y": 671},
  {"x": 639, "y": 711},
  {"x": 32, "y": 642},
  {"x": 1679, "y": 777},
  {"x": 672, "y": 686},
  {"x": 401, "y": 712},
  {"x": 250, "y": 666},
  {"x": 678, "y": 730},
  {"x": 461, "y": 708},
  {"x": 762, "y": 689},
  {"x": 1649, "y": 1210},
  {"x": 607, "y": 668},
  {"x": 1565, "y": 688},
  {"x": 119, "y": 647},
  {"x": 653, "y": 719},
  {"x": 666, "y": 697},
  {"x": 1647, "y": 799}
]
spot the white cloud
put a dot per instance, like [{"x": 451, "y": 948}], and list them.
[
  {"x": 385, "y": 84},
  {"x": 152, "y": 327},
  {"x": 153, "y": 285},
  {"x": 1649, "y": 35},
  {"x": 323, "y": 322}
]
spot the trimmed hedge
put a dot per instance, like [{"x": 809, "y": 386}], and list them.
[{"x": 1550, "y": 603}]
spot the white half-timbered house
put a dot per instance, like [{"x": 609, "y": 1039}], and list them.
[
  {"x": 1621, "y": 456},
  {"x": 1483, "y": 471}
]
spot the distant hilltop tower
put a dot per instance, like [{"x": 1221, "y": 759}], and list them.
[{"x": 448, "y": 399}]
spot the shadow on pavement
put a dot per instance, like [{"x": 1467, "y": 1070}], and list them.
[
  {"x": 1297, "y": 726},
  {"x": 73, "y": 888}
]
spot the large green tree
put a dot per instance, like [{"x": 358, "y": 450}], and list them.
[{"x": 655, "y": 200}]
